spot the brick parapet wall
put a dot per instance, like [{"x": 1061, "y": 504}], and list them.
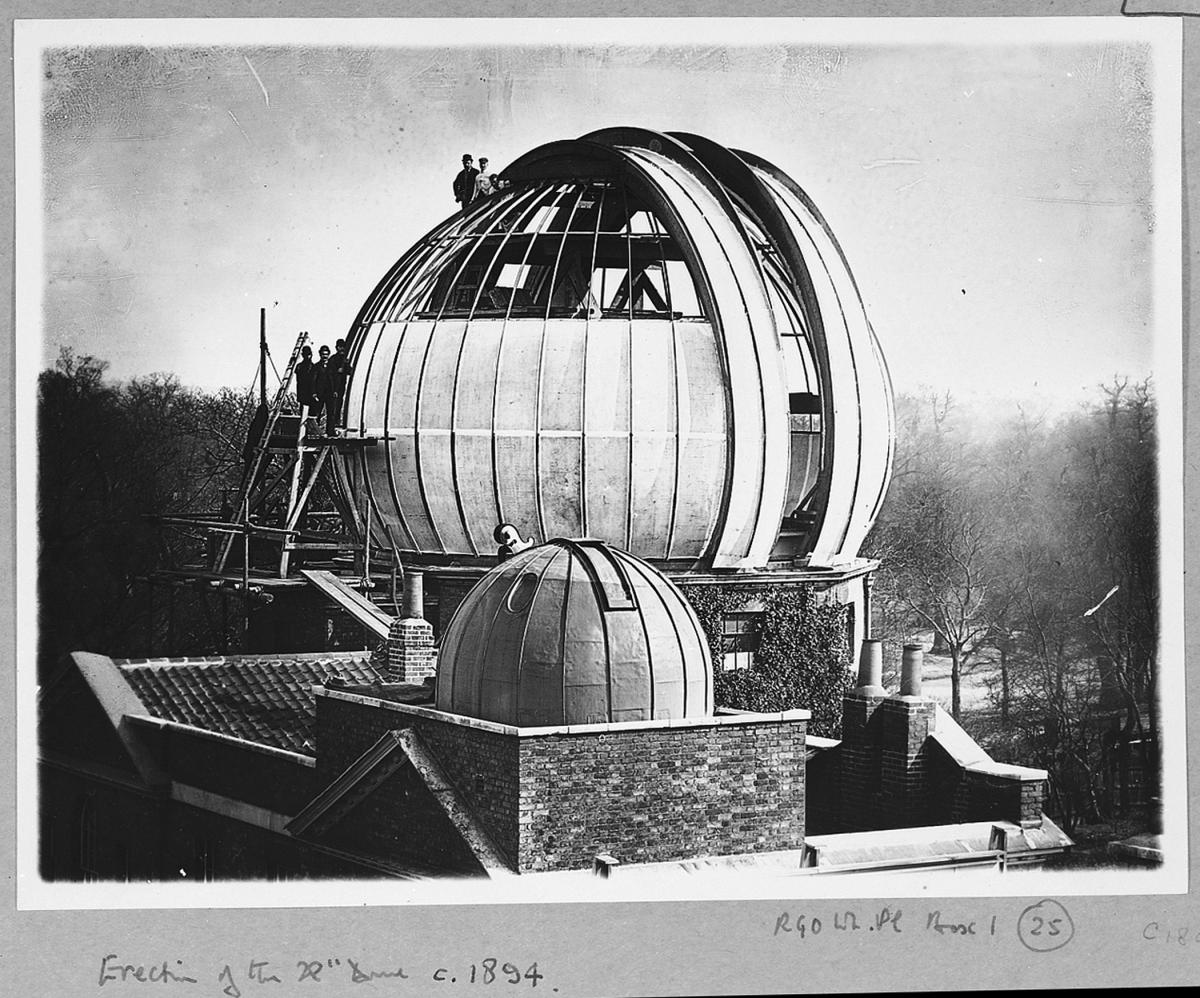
[
  {"x": 1033, "y": 801},
  {"x": 552, "y": 802},
  {"x": 661, "y": 794},
  {"x": 973, "y": 793}
]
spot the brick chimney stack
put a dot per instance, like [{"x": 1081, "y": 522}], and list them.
[
  {"x": 411, "y": 656},
  {"x": 883, "y": 752},
  {"x": 905, "y": 723},
  {"x": 860, "y": 741},
  {"x": 905, "y": 763}
]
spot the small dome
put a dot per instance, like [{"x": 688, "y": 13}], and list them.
[{"x": 574, "y": 632}]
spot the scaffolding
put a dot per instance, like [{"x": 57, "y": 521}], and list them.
[{"x": 271, "y": 527}]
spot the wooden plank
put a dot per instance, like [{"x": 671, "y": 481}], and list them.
[{"x": 357, "y": 605}]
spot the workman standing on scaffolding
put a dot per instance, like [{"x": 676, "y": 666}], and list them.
[
  {"x": 306, "y": 383},
  {"x": 339, "y": 375},
  {"x": 323, "y": 383}
]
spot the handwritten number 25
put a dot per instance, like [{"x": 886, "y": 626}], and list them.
[{"x": 1052, "y": 926}]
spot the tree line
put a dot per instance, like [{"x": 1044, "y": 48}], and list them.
[
  {"x": 109, "y": 454},
  {"x": 1027, "y": 552}
]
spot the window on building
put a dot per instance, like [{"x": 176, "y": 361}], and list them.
[{"x": 739, "y": 639}]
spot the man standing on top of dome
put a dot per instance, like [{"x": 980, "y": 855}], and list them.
[
  {"x": 464, "y": 183},
  {"x": 484, "y": 183}
]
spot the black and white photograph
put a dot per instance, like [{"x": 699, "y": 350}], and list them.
[{"x": 593, "y": 459}]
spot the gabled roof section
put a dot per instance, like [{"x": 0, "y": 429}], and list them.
[
  {"x": 968, "y": 754},
  {"x": 266, "y": 699},
  {"x": 395, "y": 749}
]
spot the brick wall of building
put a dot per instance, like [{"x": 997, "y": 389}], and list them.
[
  {"x": 961, "y": 794},
  {"x": 996, "y": 795},
  {"x": 345, "y": 730},
  {"x": 661, "y": 794},
  {"x": 484, "y": 768},
  {"x": 552, "y": 802},
  {"x": 948, "y": 788}
]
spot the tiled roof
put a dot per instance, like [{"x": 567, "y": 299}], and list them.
[{"x": 266, "y": 699}]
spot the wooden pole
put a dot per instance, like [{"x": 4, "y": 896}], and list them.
[
  {"x": 366, "y": 538},
  {"x": 262, "y": 357}
]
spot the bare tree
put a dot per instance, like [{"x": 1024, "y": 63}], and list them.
[{"x": 935, "y": 535}]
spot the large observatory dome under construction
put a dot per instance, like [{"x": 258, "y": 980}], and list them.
[{"x": 645, "y": 338}]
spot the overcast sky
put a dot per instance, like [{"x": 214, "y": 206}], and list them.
[{"x": 995, "y": 200}]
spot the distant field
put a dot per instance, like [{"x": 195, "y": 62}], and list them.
[{"x": 975, "y": 682}]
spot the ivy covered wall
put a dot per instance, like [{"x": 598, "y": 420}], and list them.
[{"x": 803, "y": 657}]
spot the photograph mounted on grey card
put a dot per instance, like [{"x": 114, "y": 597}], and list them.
[{"x": 467, "y": 453}]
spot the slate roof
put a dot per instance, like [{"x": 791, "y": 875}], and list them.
[{"x": 266, "y": 699}]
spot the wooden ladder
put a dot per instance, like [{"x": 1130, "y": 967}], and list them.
[{"x": 261, "y": 449}]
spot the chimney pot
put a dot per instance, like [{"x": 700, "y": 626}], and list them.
[
  {"x": 910, "y": 670},
  {"x": 414, "y": 595},
  {"x": 870, "y": 669}
]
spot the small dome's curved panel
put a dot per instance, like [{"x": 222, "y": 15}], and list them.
[{"x": 574, "y": 632}]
